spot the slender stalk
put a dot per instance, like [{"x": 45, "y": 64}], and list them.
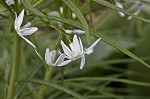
[
  {"x": 43, "y": 89},
  {"x": 15, "y": 67}
]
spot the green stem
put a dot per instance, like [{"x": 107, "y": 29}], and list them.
[
  {"x": 15, "y": 67},
  {"x": 43, "y": 89}
]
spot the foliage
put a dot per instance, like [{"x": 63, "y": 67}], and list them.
[{"x": 117, "y": 69}]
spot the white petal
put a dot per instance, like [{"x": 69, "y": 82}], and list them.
[
  {"x": 77, "y": 31},
  {"x": 119, "y": 4},
  {"x": 60, "y": 59},
  {"x": 26, "y": 25},
  {"x": 29, "y": 42},
  {"x": 66, "y": 50},
  {"x": 65, "y": 63},
  {"x": 19, "y": 20},
  {"x": 76, "y": 44},
  {"x": 73, "y": 16},
  {"x": 121, "y": 14},
  {"x": 94, "y": 44},
  {"x": 10, "y": 2},
  {"x": 28, "y": 31},
  {"x": 81, "y": 46},
  {"x": 82, "y": 61},
  {"x": 48, "y": 57},
  {"x": 88, "y": 51},
  {"x": 61, "y": 10},
  {"x": 68, "y": 31},
  {"x": 72, "y": 47},
  {"x": 91, "y": 48}
]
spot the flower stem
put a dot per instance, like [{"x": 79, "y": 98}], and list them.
[
  {"x": 43, "y": 89},
  {"x": 15, "y": 67}
]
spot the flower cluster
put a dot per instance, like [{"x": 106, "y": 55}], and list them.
[
  {"x": 71, "y": 53},
  {"x": 74, "y": 51}
]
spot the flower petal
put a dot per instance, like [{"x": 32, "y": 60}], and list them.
[
  {"x": 82, "y": 61},
  {"x": 29, "y": 42},
  {"x": 81, "y": 46},
  {"x": 77, "y": 31},
  {"x": 68, "y": 31},
  {"x": 65, "y": 63},
  {"x": 90, "y": 49},
  {"x": 76, "y": 44},
  {"x": 48, "y": 57},
  {"x": 66, "y": 50},
  {"x": 60, "y": 59},
  {"x": 72, "y": 47},
  {"x": 19, "y": 20},
  {"x": 28, "y": 31},
  {"x": 26, "y": 25},
  {"x": 10, "y": 2},
  {"x": 120, "y": 6}
]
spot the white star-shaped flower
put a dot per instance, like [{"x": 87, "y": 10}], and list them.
[
  {"x": 75, "y": 51},
  {"x": 50, "y": 57},
  {"x": 24, "y": 30}
]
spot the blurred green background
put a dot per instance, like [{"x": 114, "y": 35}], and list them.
[{"x": 105, "y": 62}]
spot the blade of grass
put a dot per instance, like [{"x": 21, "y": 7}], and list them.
[
  {"x": 59, "y": 87},
  {"x": 110, "y": 79},
  {"x": 79, "y": 14},
  {"x": 109, "y": 5}
]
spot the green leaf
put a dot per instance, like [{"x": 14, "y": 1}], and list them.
[
  {"x": 79, "y": 14},
  {"x": 110, "y": 79},
  {"x": 61, "y": 88},
  {"x": 107, "y": 4},
  {"x": 45, "y": 4},
  {"x": 27, "y": 4}
]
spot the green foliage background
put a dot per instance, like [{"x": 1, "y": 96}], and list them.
[{"x": 118, "y": 68}]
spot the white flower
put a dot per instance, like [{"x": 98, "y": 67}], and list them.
[
  {"x": 25, "y": 30},
  {"x": 91, "y": 48},
  {"x": 75, "y": 51},
  {"x": 50, "y": 57},
  {"x": 75, "y": 31},
  {"x": 10, "y": 2}
]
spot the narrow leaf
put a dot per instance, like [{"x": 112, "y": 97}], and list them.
[
  {"x": 61, "y": 88},
  {"x": 107, "y": 4},
  {"x": 110, "y": 79},
  {"x": 79, "y": 14}
]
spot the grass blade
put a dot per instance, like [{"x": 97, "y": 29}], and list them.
[{"x": 79, "y": 14}]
